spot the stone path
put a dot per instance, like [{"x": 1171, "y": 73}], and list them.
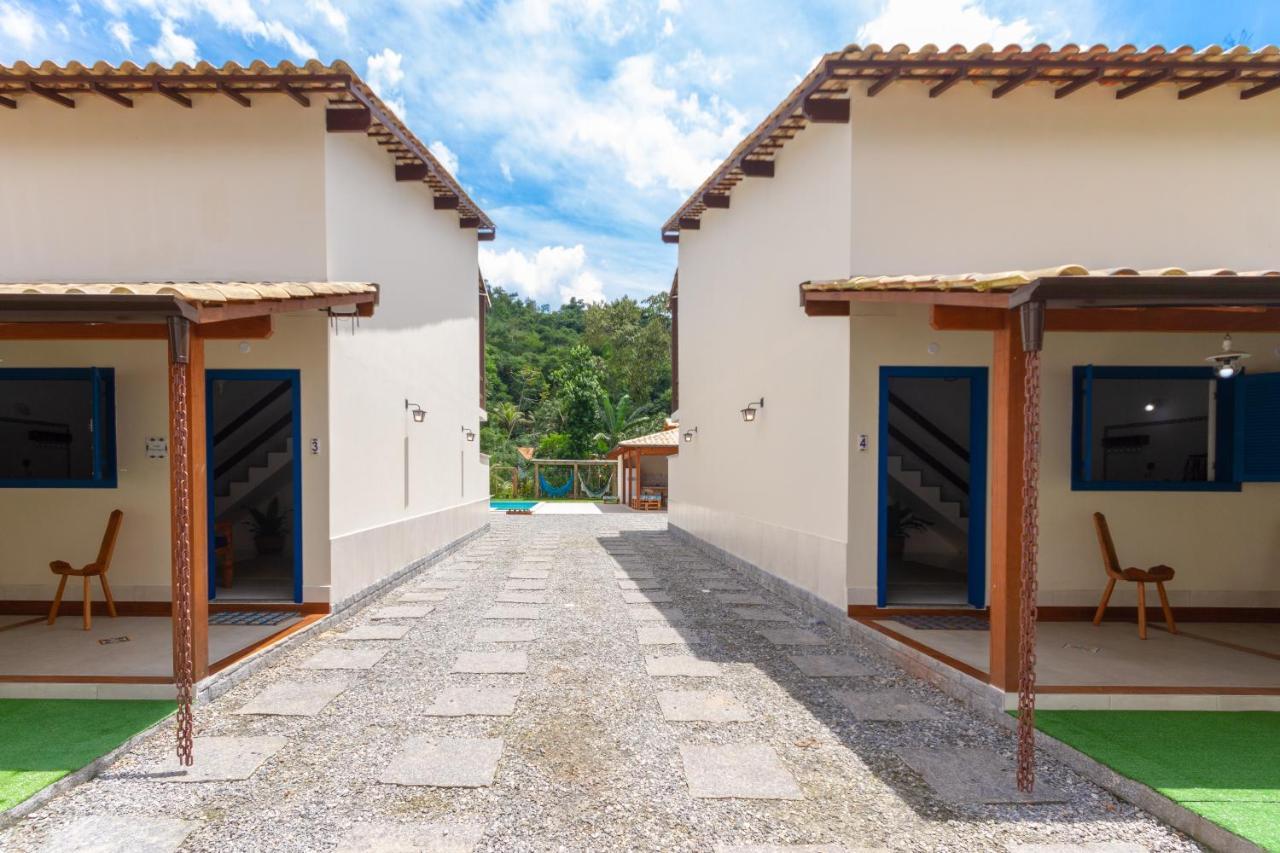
[{"x": 582, "y": 683}]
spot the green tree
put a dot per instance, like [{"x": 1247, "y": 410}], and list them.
[
  {"x": 508, "y": 416},
  {"x": 578, "y": 390},
  {"x": 619, "y": 421}
]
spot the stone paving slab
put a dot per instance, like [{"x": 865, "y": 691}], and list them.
[
  {"x": 434, "y": 583},
  {"x": 511, "y": 611},
  {"x": 634, "y": 574},
  {"x": 791, "y": 637},
  {"x": 708, "y": 706},
  {"x": 442, "y": 837},
  {"x": 507, "y": 633},
  {"x": 649, "y": 613},
  {"x": 375, "y": 632},
  {"x": 1087, "y": 847},
  {"x": 796, "y": 848},
  {"x": 521, "y": 598},
  {"x": 415, "y": 611},
  {"x": 973, "y": 776},
  {"x": 659, "y": 635},
  {"x": 720, "y": 586},
  {"x": 437, "y": 595},
  {"x": 294, "y": 698},
  {"x": 529, "y": 574},
  {"x": 684, "y": 666},
  {"x": 118, "y": 834},
  {"x": 830, "y": 666},
  {"x": 740, "y": 598},
  {"x": 750, "y": 771},
  {"x": 761, "y": 614},
  {"x": 523, "y": 584},
  {"x": 631, "y": 586},
  {"x": 640, "y": 597},
  {"x": 445, "y": 762},
  {"x": 343, "y": 659},
  {"x": 474, "y": 701},
  {"x": 492, "y": 662},
  {"x": 218, "y": 759},
  {"x": 896, "y": 705}
]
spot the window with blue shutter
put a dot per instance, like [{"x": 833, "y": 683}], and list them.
[
  {"x": 57, "y": 428},
  {"x": 1257, "y": 433}
]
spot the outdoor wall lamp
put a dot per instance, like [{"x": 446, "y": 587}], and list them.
[
  {"x": 419, "y": 413},
  {"x": 689, "y": 434},
  {"x": 1227, "y": 363},
  {"x": 749, "y": 413},
  {"x": 470, "y": 434}
]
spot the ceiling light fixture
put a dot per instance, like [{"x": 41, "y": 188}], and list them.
[{"x": 1227, "y": 363}]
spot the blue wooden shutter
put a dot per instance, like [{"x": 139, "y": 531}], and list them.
[{"x": 1258, "y": 428}]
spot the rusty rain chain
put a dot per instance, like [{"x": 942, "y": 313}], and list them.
[
  {"x": 1029, "y": 573},
  {"x": 181, "y": 495}
]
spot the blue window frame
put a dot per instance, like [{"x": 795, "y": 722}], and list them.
[
  {"x": 57, "y": 428},
  {"x": 1153, "y": 429}
]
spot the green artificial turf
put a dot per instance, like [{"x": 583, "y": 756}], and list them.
[
  {"x": 1222, "y": 765},
  {"x": 42, "y": 740}
]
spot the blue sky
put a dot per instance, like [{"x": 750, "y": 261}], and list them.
[{"x": 580, "y": 125}]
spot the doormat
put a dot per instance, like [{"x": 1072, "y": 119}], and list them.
[
  {"x": 943, "y": 623},
  {"x": 111, "y": 641},
  {"x": 249, "y": 617}
]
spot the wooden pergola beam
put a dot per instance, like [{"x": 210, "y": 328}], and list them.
[
  {"x": 249, "y": 328},
  {"x": 1221, "y": 320}
]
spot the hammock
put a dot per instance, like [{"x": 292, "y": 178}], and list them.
[
  {"x": 608, "y": 487},
  {"x": 555, "y": 491}
]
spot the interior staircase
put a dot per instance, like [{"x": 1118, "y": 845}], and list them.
[
  {"x": 253, "y": 453},
  {"x": 934, "y": 505}
]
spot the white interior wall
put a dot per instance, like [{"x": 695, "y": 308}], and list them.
[
  {"x": 400, "y": 489},
  {"x": 772, "y": 492}
]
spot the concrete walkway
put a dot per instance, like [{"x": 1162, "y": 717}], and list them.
[{"x": 582, "y": 683}]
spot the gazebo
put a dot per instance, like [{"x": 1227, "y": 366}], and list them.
[{"x": 643, "y": 462}]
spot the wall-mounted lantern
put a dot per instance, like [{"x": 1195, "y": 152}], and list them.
[
  {"x": 689, "y": 434},
  {"x": 470, "y": 434},
  {"x": 749, "y": 413},
  {"x": 419, "y": 413}
]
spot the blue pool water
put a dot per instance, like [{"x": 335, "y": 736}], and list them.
[{"x": 503, "y": 506}]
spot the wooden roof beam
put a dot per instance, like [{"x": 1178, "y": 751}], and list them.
[
  {"x": 173, "y": 95},
  {"x": 238, "y": 97},
  {"x": 49, "y": 94},
  {"x": 303, "y": 100},
  {"x": 1143, "y": 84},
  {"x": 468, "y": 222},
  {"x": 112, "y": 95},
  {"x": 485, "y": 235},
  {"x": 9, "y": 103},
  {"x": 445, "y": 202},
  {"x": 1206, "y": 85},
  {"x": 948, "y": 82},
  {"x": 348, "y": 120},
  {"x": 1260, "y": 89},
  {"x": 826, "y": 110},
  {"x": 756, "y": 168},
  {"x": 671, "y": 236},
  {"x": 411, "y": 171},
  {"x": 689, "y": 223},
  {"x": 1015, "y": 81},
  {"x": 1078, "y": 83},
  {"x": 716, "y": 200},
  {"x": 883, "y": 82}
]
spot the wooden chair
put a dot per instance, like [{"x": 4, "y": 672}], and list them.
[
  {"x": 224, "y": 553},
  {"x": 1156, "y": 575},
  {"x": 98, "y": 568},
  {"x": 647, "y": 502}
]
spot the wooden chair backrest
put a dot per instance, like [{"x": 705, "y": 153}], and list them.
[
  {"x": 1109, "y": 559},
  {"x": 109, "y": 539}
]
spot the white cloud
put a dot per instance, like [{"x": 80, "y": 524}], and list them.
[
  {"x": 331, "y": 14},
  {"x": 944, "y": 23},
  {"x": 19, "y": 24},
  {"x": 672, "y": 6},
  {"x": 120, "y": 32},
  {"x": 446, "y": 157},
  {"x": 238, "y": 16},
  {"x": 667, "y": 27},
  {"x": 505, "y": 168},
  {"x": 383, "y": 71},
  {"x": 173, "y": 47},
  {"x": 558, "y": 270}
]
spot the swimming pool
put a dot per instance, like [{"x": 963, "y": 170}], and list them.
[{"x": 503, "y": 506}]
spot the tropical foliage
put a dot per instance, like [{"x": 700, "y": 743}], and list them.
[{"x": 574, "y": 381}]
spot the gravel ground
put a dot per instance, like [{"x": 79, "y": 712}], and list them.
[{"x": 588, "y": 761}]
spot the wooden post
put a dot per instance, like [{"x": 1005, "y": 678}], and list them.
[
  {"x": 577, "y": 481},
  {"x": 537, "y": 482},
  {"x": 189, "y": 530},
  {"x": 1008, "y": 397}
]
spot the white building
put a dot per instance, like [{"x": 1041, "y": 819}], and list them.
[
  {"x": 822, "y": 278},
  {"x": 304, "y": 387}
]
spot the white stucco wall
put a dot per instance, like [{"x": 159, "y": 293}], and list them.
[
  {"x": 1222, "y": 544},
  {"x": 772, "y": 492},
  {"x": 399, "y": 490},
  {"x": 965, "y": 182}
]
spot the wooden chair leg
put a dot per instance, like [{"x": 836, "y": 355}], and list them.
[
  {"x": 106, "y": 594},
  {"x": 1142, "y": 611},
  {"x": 1164, "y": 605},
  {"x": 1106, "y": 598},
  {"x": 57, "y": 600},
  {"x": 88, "y": 603}
]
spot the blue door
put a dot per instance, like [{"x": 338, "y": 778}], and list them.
[
  {"x": 253, "y": 432},
  {"x": 932, "y": 486}
]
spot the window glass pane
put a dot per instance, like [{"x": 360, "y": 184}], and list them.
[
  {"x": 45, "y": 431},
  {"x": 1151, "y": 430}
]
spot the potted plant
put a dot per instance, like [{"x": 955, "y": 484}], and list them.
[
  {"x": 901, "y": 522},
  {"x": 269, "y": 528}
]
